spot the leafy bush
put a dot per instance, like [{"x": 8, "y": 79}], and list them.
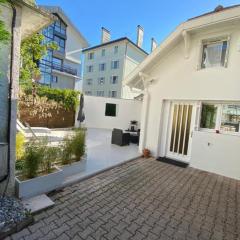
[
  {"x": 38, "y": 158},
  {"x": 73, "y": 147},
  {"x": 67, "y": 98},
  {"x": 19, "y": 165},
  {"x": 51, "y": 155},
  {"x": 78, "y": 144},
  {"x": 20, "y": 141},
  {"x": 33, "y": 157},
  {"x": 66, "y": 157}
]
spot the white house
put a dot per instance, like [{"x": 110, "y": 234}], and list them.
[
  {"x": 106, "y": 65},
  {"x": 62, "y": 68},
  {"x": 191, "y": 86}
]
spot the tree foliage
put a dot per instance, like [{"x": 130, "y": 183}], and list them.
[
  {"x": 4, "y": 34},
  {"x": 33, "y": 49}
]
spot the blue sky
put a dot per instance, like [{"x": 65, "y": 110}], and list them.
[{"x": 158, "y": 18}]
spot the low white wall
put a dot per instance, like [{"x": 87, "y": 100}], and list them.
[
  {"x": 127, "y": 110},
  {"x": 218, "y": 153}
]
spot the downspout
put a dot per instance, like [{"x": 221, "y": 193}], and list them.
[
  {"x": 124, "y": 67},
  {"x": 10, "y": 93},
  {"x": 145, "y": 114}
]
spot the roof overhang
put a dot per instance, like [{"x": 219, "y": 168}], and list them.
[
  {"x": 222, "y": 18},
  {"x": 33, "y": 18},
  {"x": 123, "y": 39}
]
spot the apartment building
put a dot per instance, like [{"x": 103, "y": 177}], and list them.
[
  {"x": 106, "y": 65},
  {"x": 62, "y": 68}
]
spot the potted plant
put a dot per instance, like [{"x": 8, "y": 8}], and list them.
[
  {"x": 38, "y": 175},
  {"x": 146, "y": 153},
  {"x": 73, "y": 153}
]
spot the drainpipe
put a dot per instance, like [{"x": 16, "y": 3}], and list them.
[
  {"x": 145, "y": 113},
  {"x": 10, "y": 95}
]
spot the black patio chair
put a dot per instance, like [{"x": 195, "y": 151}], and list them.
[{"x": 120, "y": 138}]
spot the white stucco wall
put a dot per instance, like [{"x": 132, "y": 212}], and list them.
[
  {"x": 179, "y": 78},
  {"x": 217, "y": 153},
  {"x": 127, "y": 110}
]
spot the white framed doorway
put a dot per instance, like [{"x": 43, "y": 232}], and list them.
[{"x": 180, "y": 129}]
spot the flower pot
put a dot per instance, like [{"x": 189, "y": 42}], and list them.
[
  {"x": 146, "y": 153},
  {"x": 39, "y": 185},
  {"x": 74, "y": 168}
]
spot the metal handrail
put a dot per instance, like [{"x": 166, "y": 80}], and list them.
[{"x": 64, "y": 68}]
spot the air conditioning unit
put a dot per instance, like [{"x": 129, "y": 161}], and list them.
[{"x": 3, "y": 159}]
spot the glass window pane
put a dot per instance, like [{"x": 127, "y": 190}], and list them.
[
  {"x": 230, "y": 118},
  {"x": 208, "y": 116},
  {"x": 57, "y": 61},
  {"x": 214, "y": 54}
]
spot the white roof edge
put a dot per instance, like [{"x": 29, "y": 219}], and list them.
[
  {"x": 59, "y": 10},
  {"x": 193, "y": 24}
]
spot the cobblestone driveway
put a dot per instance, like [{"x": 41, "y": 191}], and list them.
[{"x": 143, "y": 199}]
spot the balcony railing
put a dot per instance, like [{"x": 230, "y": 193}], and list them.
[{"x": 64, "y": 68}]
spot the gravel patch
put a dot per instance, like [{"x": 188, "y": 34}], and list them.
[{"x": 12, "y": 211}]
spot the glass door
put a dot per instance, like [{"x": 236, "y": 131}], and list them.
[{"x": 180, "y": 131}]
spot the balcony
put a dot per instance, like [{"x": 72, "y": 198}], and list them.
[{"x": 64, "y": 68}]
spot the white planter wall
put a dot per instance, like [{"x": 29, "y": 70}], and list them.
[
  {"x": 39, "y": 185},
  {"x": 127, "y": 110}
]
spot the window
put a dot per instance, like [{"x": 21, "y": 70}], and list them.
[
  {"x": 110, "y": 110},
  {"x": 89, "y": 81},
  {"x": 91, "y": 55},
  {"x": 114, "y": 79},
  {"x": 60, "y": 26},
  {"x": 100, "y": 93},
  {"x": 115, "y": 49},
  {"x": 214, "y": 54},
  {"x": 230, "y": 119},
  {"x": 115, "y": 64},
  {"x": 57, "y": 61},
  {"x": 90, "y": 68},
  {"x": 54, "y": 79},
  {"x": 101, "y": 80},
  {"x": 103, "y": 52},
  {"x": 89, "y": 93},
  {"x": 48, "y": 33},
  {"x": 60, "y": 42},
  {"x": 45, "y": 78},
  {"x": 208, "y": 116},
  {"x": 113, "y": 94},
  {"x": 102, "y": 67}
]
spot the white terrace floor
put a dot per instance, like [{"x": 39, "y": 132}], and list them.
[{"x": 102, "y": 155}]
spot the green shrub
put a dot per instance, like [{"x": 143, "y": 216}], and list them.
[
  {"x": 51, "y": 155},
  {"x": 67, "y": 98},
  {"x": 33, "y": 157},
  {"x": 66, "y": 157},
  {"x": 19, "y": 165},
  {"x": 20, "y": 141},
  {"x": 78, "y": 144},
  {"x": 73, "y": 147}
]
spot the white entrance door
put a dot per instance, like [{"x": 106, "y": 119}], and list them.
[{"x": 181, "y": 126}]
